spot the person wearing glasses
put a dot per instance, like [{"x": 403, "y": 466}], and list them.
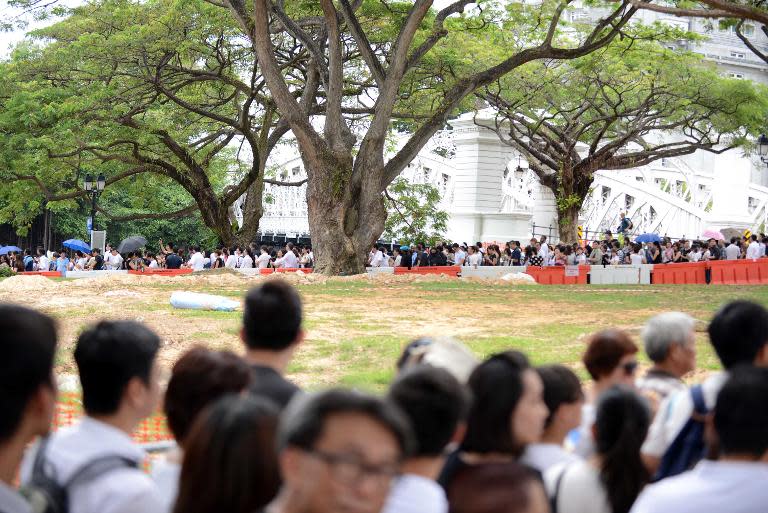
[
  {"x": 611, "y": 359},
  {"x": 339, "y": 450}
]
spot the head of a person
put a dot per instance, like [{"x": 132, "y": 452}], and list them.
[
  {"x": 497, "y": 488},
  {"x": 670, "y": 342},
  {"x": 198, "y": 378},
  {"x": 563, "y": 397},
  {"x": 272, "y": 317},
  {"x": 753, "y": 238},
  {"x": 508, "y": 410},
  {"x": 231, "y": 454},
  {"x": 436, "y": 405},
  {"x": 610, "y": 358},
  {"x": 543, "y": 239},
  {"x": 118, "y": 369},
  {"x": 621, "y": 215},
  {"x": 442, "y": 352},
  {"x": 113, "y": 251},
  {"x": 28, "y": 401},
  {"x": 621, "y": 425},
  {"x": 96, "y": 251},
  {"x": 340, "y": 450},
  {"x": 741, "y": 415},
  {"x": 289, "y": 246},
  {"x": 739, "y": 334}
]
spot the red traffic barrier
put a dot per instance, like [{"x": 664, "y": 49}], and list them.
[
  {"x": 293, "y": 270},
  {"x": 739, "y": 272},
  {"x": 49, "y": 274},
  {"x": 559, "y": 274},
  {"x": 679, "y": 274},
  {"x": 449, "y": 270}
]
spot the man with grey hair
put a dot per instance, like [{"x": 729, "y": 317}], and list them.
[{"x": 670, "y": 343}]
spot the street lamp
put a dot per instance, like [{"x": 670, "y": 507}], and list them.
[
  {"x": 94, "y": 187},
  {"x": 762, "y": 148}
]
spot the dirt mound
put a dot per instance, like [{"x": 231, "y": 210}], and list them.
[{"x": 28, "y": 283}]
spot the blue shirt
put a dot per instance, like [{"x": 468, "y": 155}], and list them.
[{"x": 61, "y": 265}]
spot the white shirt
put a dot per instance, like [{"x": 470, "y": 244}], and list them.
[
  {"x": 113, "y": 262},
  {"x": 544, "y": 253},
  {"x": 398, "y": 260},
  {"x": 247, "y": 262},
  {"x": 416, "y": 494},
  {"x": 459, "y": 257},
  {"x": 166, "y": 476},
  {"x": 231, "y": 262},
  {"x": 732, "y": 252},
  {"x": 585, "y": 444},
  {"x": 753, "y": 250},
  {"x": 580, "y": 489},
  {"x": 121, "y": 490},
  {"x": 289, "y": 260},
  {"x": 475, "y": 259},
  {"x": 196, "y": 261},
  {"x": 43, "y": 263},
  {"x": 263, "y": 260},
  {"x": 377, "y": 259},
  {"x": 11, "y": 501},
  {"x": 674, "y": 413},
  {"x": 694, "y": 256},
  {"x": 711, "y": 487},
  {"x": 542, "y": 457},
  {"x": 636, "y": 259},
  {"x": 153, "y": 264}
]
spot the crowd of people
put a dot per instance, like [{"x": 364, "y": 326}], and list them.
[
  {"x": 451, "y": 433},
  {"x": 609, "y": 251},
  {"x": 168, "y": 257}
]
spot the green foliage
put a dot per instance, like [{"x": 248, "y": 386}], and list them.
[{"x": 414, "y": 214}]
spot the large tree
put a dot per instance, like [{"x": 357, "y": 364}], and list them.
[
  {"x": 158, "y": 88},
  {"x": 405, "y": 61},
  {"x": 621, "y": 107}
]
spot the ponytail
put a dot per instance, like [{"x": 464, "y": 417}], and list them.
[{"x": 622, "y": 424}]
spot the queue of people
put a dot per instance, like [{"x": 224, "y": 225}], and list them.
[{"x": 450, "y": 435}]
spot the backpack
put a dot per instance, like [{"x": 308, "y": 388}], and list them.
[
  {"x": 46, "y": 495},
  {"x": 688, "y": 446},
  {"x": 29, "y": 263},
  {"x": 630, "y": 225}
]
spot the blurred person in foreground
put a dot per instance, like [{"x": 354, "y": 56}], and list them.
[
  {"x": 670, "y": 343},
  {"x": 339, "y": 452}
]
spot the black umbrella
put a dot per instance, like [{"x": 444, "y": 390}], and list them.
[{"x": 131, "y": 244}]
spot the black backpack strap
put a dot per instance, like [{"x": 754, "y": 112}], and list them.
[
  {"x": 699, "y": 405},
  {"x": 556, "y": 491},
  {"x": 95, "y": 468}
]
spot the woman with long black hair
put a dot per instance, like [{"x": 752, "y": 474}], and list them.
[{"x": 611, "y": 480}]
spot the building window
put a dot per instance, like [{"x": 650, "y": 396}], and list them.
[
  {"x": 748, "y": 30},
  {"x": 651, "y": 214},
  {"x": 639, "y": 178},
  {"x": 751, "y": 205},
  {"x": 664, "y": 162},
  {"x": 737, "y": 76},
  {"x": 628, "y": 202},
  {"x": 738, "y": 55},
  {"x": 605, "y": 193}
]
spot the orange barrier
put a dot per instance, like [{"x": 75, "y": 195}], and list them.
[
  {"x": 449, "y": 270},
  {"x": 163, "y": 272},
  {"x": 49, "y": 274},
  {"x": 738, "y": 272},
  {"x": 556, "y": 275},
  {"x": 286, "y": 270},
  {"x": 680, "y": 274}
]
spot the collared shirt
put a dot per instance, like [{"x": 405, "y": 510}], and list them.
[
  {"x": 660, "y": 383},
  {"x": 416, "y": 494},
  {"x": 121, "y": 490},
  {"x": 711, "y": 487},
  {"x": 674, "y": 413},
  {"x": 542, "y": 456},
  {"x": 11, "y": 501}
]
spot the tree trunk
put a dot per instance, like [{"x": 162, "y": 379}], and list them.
[
  {"x": 346, "y": 216},
  {"x": 253, "y": 209},
  {"x": 567, "y": 223}
]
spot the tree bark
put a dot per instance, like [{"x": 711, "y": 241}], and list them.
[{"x": 567, "y": 223}]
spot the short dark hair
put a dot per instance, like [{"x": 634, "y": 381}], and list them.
[
  {"x": 561, "y": 386},
  {"x": 108, "y": 356},
  {"x": 738, "y": 332},
  {"x": 198, "y": 378},
  {"x": 272, "y": 316},
  {"x": 496, "y": 386},
  {"x": 303, "y": 422},
  {"x": 492, "y": 487},
  {"x": 231, "y": 454},
  {"x": 434, "y": 402},
  {"x": 741, "y": 413},
  {"x": 28, "y": 346},
  {"x": 605, "y": 350}
]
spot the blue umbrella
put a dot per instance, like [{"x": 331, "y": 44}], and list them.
[
  {"x": 648, "y": 237},
  {"x": 77, "y": 245},
  {"x": 8, "y": 249}
]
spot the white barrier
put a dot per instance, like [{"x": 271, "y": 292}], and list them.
[
  {"x": 490, "y": 272},
  {"x": 614, "y": 275},
  {"x": 380, "y": 270},
  {"x": 94, "y": 274},
  {"x": 248, "y": 271},
  {"x": 645, "y": 274}
]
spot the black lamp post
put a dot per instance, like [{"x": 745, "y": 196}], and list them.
[
  {"x": 94, "y": 187},
  {"x": 762, "y": 148}
]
